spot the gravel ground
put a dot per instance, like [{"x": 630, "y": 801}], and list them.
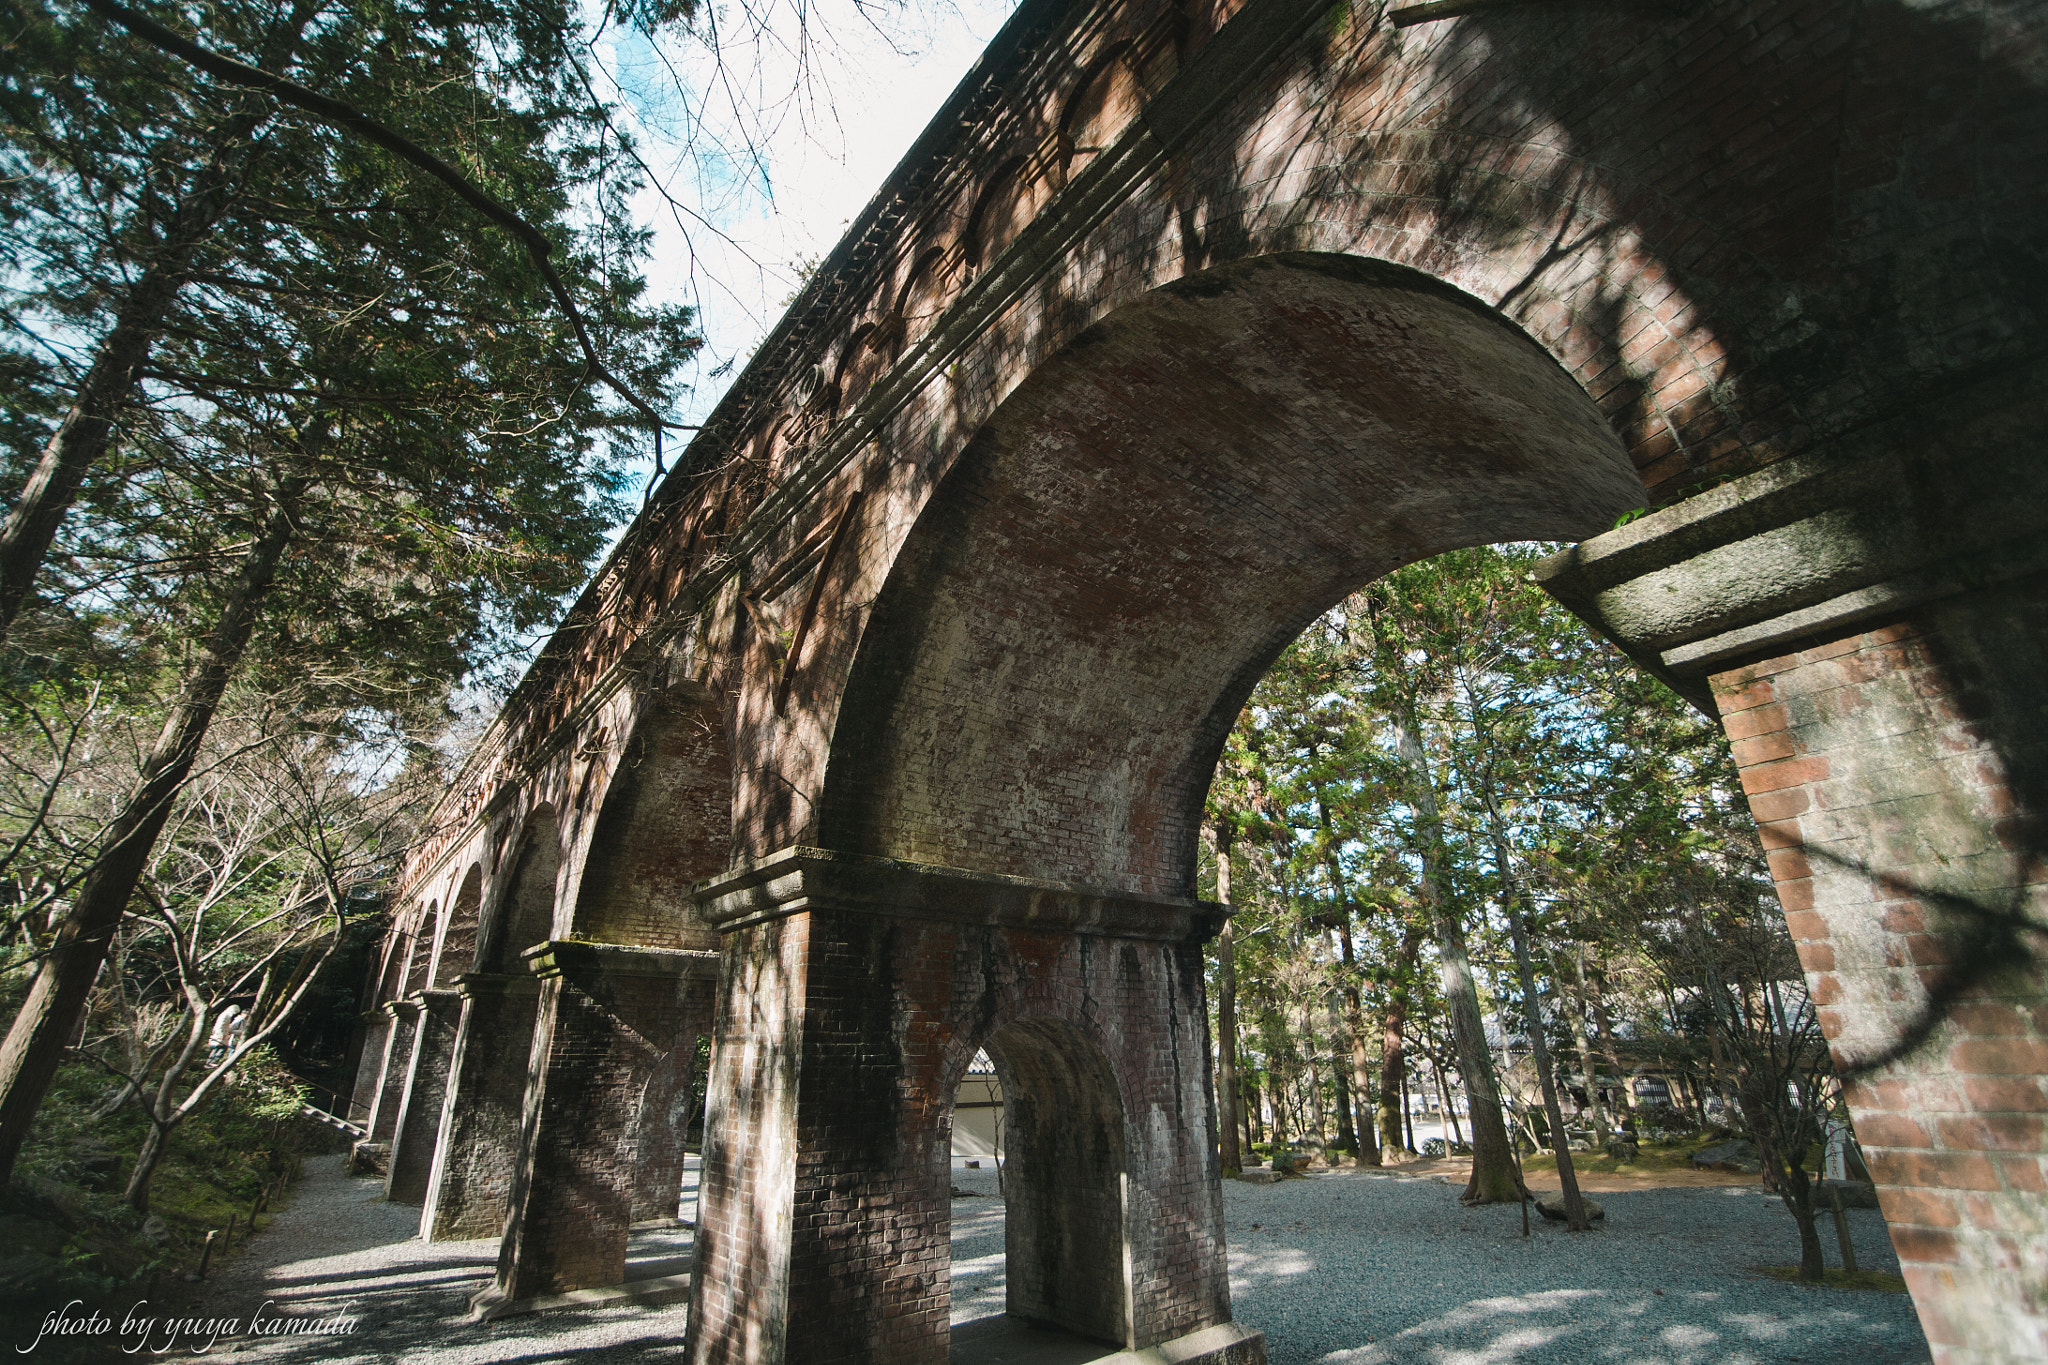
[
  {"x": 1343, "y": 1268},
  {"x": 1358, "y": 1268}
]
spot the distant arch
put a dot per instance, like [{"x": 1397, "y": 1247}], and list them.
[
  {"x": 666, "y": 823},
  {"x": 526, "y": 914},
  {"x": 458, "y": 939}
]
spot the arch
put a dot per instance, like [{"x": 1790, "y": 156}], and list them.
[
  {"x": 1103, "y": 105},
  {"x": 1065, "y": 1261},
  {"x": 661, "y": 1128},
  {"x": 526, "y": 914},
  {"x": 666, "y": 822},
  {"x": 926, "y": 291},
  {"x": 1009, "y": 202},
  {"x": 1088, "y": 597},
  {"x": 418, "y": 948},
  {"x": 458, "y": 940}
]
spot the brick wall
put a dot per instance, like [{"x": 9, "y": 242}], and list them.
[
  {"x": 1898, "y": 775},
  {"x": 471, "y": 1184},
  {"x": 419, "y": 1122},
  {"x": 1103, "y": 1044},
  {"x": 398, "y": 1040},
  {"x": 608, "y": 1018}
]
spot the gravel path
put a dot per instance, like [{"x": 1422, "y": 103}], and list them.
[
  {"x": 1343, "y": 1268},
  {"x": 340, "y": 1251}
]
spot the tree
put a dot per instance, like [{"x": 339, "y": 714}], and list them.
[
  {"x": 242, "y": 903},
  {"x": 146, "y": 187},
  {"x": 419, "y": 506},
  {"x": 1740, "y": 960}
]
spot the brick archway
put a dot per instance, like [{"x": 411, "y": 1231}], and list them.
[
  {"x": 1066, "y": 1233},
  {"x": 1073, "y": 624},
  {"x": 927, "y": 557}
]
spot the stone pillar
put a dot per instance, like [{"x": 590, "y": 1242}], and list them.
[
  {"x": 1874, "y": 635},
  {"x": 419, "y": 1114},
  {"x": 470, "y": 1185},
  {"x": 383, "y": 1121},
  {"x": 375, "y": 1028},
  {"x": 611, "y": 1019},
  {"x": 853, "y": 995}
]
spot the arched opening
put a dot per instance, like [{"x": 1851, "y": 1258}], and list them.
[
  {"x": 1085, "y": 603},
  {"x": 666, "y": 822},
  {"x": 1150, "y": 518},
  {"x": 458, "y": 940},
  {"x": 1064, "y": 1263},
  {"x": 527, "y": 915}
]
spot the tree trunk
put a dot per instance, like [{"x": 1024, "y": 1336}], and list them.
[
  {"x": 136, "y": 1196},
  {"x": 82, "y": 438},
  {"x": 1560, "y": 1142},
  {"x": 1393, "y": 1045},
  {"x": 1604, "y": 1029},
  {"x": 1347, "y": 1134},
  {"x": 1363, "y": 1145},
  {"x": 1496, "y": 1177},
  {"x": 1453, "y": 1137},
  {"x": 1575, "y": 1019},
  {"x": 1361, "y": 1058},
  {"x": 1228, "y": 1092},
  {"x": 56, "y": 1000},
  {"x": 1407, "y": 1115},
  {"x": 1311, "y": 1077}
]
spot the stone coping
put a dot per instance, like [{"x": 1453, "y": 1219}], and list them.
[
  {"x": 800, "y": 879},
  {"x": 1800, "y": 551},
  {"x": 581, "y": 957}
]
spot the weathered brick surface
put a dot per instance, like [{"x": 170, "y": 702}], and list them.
[
  {"x": 373, "y": 1031},
  {"x": 398, "y": 1040},
  {"x": 470, "y": 1188},
  {"x": 1922, "y": 873},
  {"x": 1193, "y": 318},
  {"x": 418, "y": 1127},
  {"x": 1100, "y": 1042},
  {"x": 608, "y": 1025}
]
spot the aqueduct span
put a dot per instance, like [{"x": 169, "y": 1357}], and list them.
[{"x": 883, "y": 736}]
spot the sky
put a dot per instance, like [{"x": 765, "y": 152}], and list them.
[{"x": 778, "y": 147}]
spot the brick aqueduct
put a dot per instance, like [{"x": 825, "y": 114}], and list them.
[{"x": 883, "y": 736}]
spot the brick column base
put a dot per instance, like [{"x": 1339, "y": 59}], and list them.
[
  {"x": 855, "y": 992},
  {"x": 611, "y": 1020},
  {"x": 470, "y": 1187}
]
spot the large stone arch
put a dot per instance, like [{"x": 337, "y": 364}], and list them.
[
  {"x": 624, "y": 994},
  {"x": 1084, "y": 603},
  {"x": 1787, "y": 252}
]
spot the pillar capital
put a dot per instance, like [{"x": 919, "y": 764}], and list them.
[
  {"x": 800, "y": 879},
  {"x": 582, "y": 958},
  {"x": 1807, "y": 549},
  {"x": 471, "y": 984}
]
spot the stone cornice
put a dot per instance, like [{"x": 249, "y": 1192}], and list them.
[
  {"x": 798, "y": 880},
  {"x": 1811, "y": 547},
  {"x": 496, "y": 983},
  {"x": 582, "y": 959}
]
